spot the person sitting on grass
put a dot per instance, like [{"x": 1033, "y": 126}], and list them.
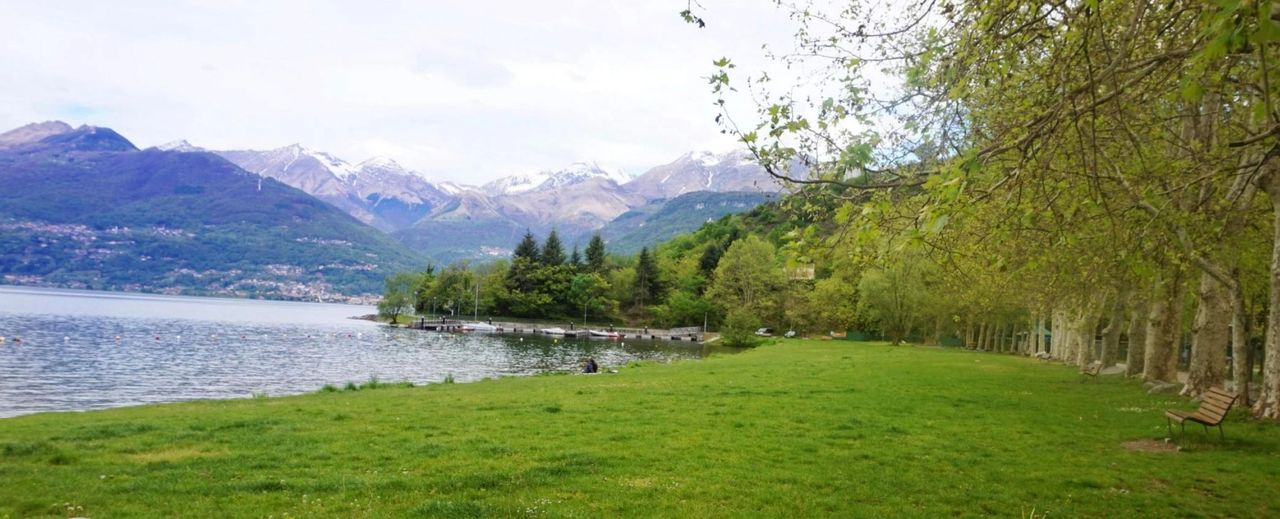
[{"x": 590, "y": 366}]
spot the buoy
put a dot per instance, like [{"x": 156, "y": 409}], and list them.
[
  {"x": 17, "y": 340},
  {"x": 117, "y": 338},
  {"x": 65, "y": 339},
  {"x": 157, "y": 337}
]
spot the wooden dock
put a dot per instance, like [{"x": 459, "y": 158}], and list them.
[{"x": 693, "y": 334}]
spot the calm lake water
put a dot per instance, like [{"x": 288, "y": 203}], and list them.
[{"x": 84, "y": 350}]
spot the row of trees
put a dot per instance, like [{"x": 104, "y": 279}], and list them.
[
  {"x": 688, "y": 283},
  {"x": 1109, "y": 171}
]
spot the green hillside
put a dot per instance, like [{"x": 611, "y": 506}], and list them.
[
  {"x": 662, "y": 220},
  {"x": 97, "y": 213}
]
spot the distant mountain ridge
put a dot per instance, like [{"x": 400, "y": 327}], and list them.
[
  {"x": 663, "y": 219},
  {"x": 450, "y": 221},
  {"x": 85, "y": 208}
]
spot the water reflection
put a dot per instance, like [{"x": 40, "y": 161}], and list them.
[{"x": 86, "y": 350}]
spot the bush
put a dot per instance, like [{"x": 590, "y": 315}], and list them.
[{"x": 740, "y": 328}]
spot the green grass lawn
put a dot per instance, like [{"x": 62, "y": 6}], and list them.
[{"x": 800, "y": 428}]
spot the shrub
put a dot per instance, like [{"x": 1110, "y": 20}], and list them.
[{"x": 740, "y": 328}]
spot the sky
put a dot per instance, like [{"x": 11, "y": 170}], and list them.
[{"x": 458, "y": 91}]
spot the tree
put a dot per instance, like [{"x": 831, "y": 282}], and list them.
[
  {"x": 648, "y": 288},
  {"x": 893, "y": 295},
  {"x": 596, "y": 254},
  {"x": 739, "y": 329},
  {"x": 397, "y": 296},
  {"x": 749, "y": 278},
  {"x": 710, "y": 258},
  {"x": 575, "y": 259},
  {"x": 454, "y": 289},
  {"x": 587, "y": 292},
  {"x": 528, "y": 247},
  {"x": 422, "y": 289},
  {"x": 552, "y": 250}
]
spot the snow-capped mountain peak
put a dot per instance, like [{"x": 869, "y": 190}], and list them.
[
  {"x": 454, "y": 188},
  {"x": 179, "y": 145},
  {"x": 340, "y": 168},
  {"x": 551, "y": 179},
  {"x": 383, "y": 163}
]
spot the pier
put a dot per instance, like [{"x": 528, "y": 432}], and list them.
[{"x": 691, "y": 334}]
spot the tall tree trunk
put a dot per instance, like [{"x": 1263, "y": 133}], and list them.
[
  {"x": 1268, "y": 404},
  {"x": 1001, "y": 332},
  {"x": 1057, "y": 342},
  {"x": 1088, "y": 330},
  {"x": 1240, "y": 361},
  {"x": 1163, "y": 329},
  {"x": 1111, "y": 334},
  {"x": 1067, "y": 353},
  {"x": 1209, "y": 342},
  {"x": 1137, "y": 337},
  {"x": 982, "y": 336},
  {"x": 1039, "y": 334},
  {"x": 1031, "y": 335}
]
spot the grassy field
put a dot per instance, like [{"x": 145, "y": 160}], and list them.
[{"x": 800, "y": 428}]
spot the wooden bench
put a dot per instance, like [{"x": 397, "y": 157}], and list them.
[
  {"x": 1214, "y": 405},
  {"x": 1092, "y": 370}
]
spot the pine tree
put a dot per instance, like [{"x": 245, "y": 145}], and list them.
[
  {"x": 648, "y": 287},
  {"x": 552, "y": 250},
  {"x": 596, "y": 254},
  {"x": 710, "y": 259},
  {"x": 528, "y": 247},
  {"x": 575, "y": 259}
]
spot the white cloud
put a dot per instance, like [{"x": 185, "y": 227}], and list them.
[{"x": 459, "y": 91}]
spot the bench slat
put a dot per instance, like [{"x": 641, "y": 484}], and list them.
[
  {"x": 1211, "y": 418},
  {"x": 1216, "y": 397},
  {"x": 1213, "y": 407}
]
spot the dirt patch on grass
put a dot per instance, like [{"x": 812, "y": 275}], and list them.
[
  {"x": 1151, "y": 446},
  {"x": 173, "y": 454}
]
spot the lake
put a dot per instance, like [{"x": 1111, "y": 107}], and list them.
[{"x": 83, "y": 350}]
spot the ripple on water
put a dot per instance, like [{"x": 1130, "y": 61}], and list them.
[{"x": 84, "y": 350}]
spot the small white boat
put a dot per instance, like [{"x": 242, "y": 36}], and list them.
[
  {"x": 479, "y": 327},
  {"x": 602, "y": 333},
  {"x": 553, "y": 331}
]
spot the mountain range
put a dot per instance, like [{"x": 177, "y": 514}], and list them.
[
  {"x": 449, "y": 221},
  {"x": 84, "y": 207}
]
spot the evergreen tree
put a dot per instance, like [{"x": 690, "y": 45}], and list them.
[
  {"x": 710, "y": 259},
  {"x": 596, "y": 254},
  {"x": 528, "y": 247},
  {"x": 552, "y": 250},
  {"x": 575, "y": 259},
  {"x": 648, "y": 288}
]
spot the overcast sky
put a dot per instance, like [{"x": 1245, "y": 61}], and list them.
[{"x": 464, "y": 91}]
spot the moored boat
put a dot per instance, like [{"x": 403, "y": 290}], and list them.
[
  {"x": 554, "y": 331},
  {"x": 602, "y": 333},
  {"x": 479, "y": 327}
]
